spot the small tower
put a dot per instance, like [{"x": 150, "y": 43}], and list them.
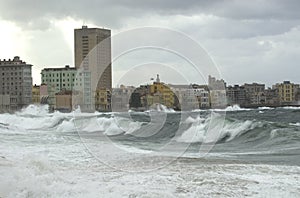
[{"x": 157, "y": 78}]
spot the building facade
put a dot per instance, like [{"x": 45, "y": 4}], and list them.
[
  {"x": 58, "y": 79},
  {"x": 217, "y": 90},
  {"x": 287, "y": 92},
  {"x": 63, "y": 101},
  {"x": 236, "y": 95},
  {"x": 92, "y": 50},
  {"x": 255, "y": 94},
  {"x": 15, "y": 84},
  {"x": 103, "y": 99},
  {"x": 121, "y": 97},
  {"x": 36, "y": 99}
]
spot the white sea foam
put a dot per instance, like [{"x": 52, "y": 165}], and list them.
[
  {"x": 45, "y": 162},
  {"x": 37, "y": 176},
  {"x": 265, "y": 108},
  {"x": 290, "y": 108},
  {"x": 197, "y": 132},
  {"x": 233, "y": 108},
  {"x": 295, "y": 124}
]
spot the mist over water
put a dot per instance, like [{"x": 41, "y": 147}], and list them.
[{"x": 83, "y": 154}]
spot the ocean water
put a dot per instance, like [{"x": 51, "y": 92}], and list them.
[{"x": 214, "y": 153}]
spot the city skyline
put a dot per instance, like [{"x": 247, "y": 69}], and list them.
[{"x": 250, "y": 41}]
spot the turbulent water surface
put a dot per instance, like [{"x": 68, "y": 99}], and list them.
[{"x": 255, "y": 153}]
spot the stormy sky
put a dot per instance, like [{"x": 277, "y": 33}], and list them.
[{"x": 250, "y": 41}]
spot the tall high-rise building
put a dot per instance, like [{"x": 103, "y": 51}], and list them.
[
  {"x": 93, "y": 53},
  {"x": 15, "y": 84}
]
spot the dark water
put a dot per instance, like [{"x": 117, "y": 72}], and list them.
[{"x": 254, "y": 136}]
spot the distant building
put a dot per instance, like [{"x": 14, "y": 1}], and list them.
[
  {"x": 138, "y": 99},
  {"x": 152, "y": 96},
  {"x": 58, "y": 79},
  {"x": 44, "y": 94},
  {"x": 103, "y": 99},
  {"x": 297, "y": 97},
  {"x": 255, "y": 94},
  {"x": 160, "y": 93},
  {"x": 179, "y": 96},
  {"x": 121, "y": 97},
  {"x": 236, "y": 95},
  {"x": 63, "y": 101},
  {"x": 272, "y": 97},
  {"x": 92, "y": 48},
  {"x": 217, "y": 89},
  {"x": 36, "y": 94},
  {"x": 287, "y": 92},
  {"x": 4, "y": 103},
  {"x": 15, "y": 84},
  {"x": 215, "y": 84}
]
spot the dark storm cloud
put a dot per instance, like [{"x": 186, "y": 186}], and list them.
[
  {"x": 115, "y": 13},
  {"x": 243, "y": 36}
]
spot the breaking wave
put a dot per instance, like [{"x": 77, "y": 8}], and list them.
[{"x": 194, "y": 129}]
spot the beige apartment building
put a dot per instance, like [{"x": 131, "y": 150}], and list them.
[
  {"x": 93, "y": 52},
  {"x": 287, "y": 92}
]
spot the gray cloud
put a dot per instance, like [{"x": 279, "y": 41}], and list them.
[
  {"x": 248, "y": 39},
  {"x": 114, "y": 13}
]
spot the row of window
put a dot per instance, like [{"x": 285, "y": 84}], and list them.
[
  {"x": 58, "y": 75},
  {"x": 11, "y": 68}
]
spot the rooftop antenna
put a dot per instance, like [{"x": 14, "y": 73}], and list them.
[{"x": 84, "y": 24}]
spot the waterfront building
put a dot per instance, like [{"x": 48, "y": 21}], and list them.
[
  {"x": 188, "y": 97},
  {"x": 272, "y": 97},
  {"x": 15, "y": 84},
  {"x": 63, "y": 101},
  {"x": 103, "y": 99},
  {"x": 297, "y": 97},
  {"x": 44, "y": 94},
  {"x": 217, "y": 90},
  {"x": 36, "y": 94},
  {"x": 92, "y": 54},
  {"x": 138, "y": 99},
  {"x": 150, "y": 96},
  {"x": 58, "y": 79},
  {"x": 287, "y": 92},
  {"x": 236, "y": 95},
  {"x": 179, "y": 96},
  {"x": 255, "y": 94},
  {"x": 121, "y": 97},
  {"x": 161, "y": 93},
  {"x": 215, "y": 84}
]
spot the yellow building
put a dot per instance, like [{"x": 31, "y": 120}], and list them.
[
  {"x": 36, "y": 94},
  {"x": 161, "y": 93},
  {"x": 287, "y": 91},
  {"x": 103, "y": 99}
]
